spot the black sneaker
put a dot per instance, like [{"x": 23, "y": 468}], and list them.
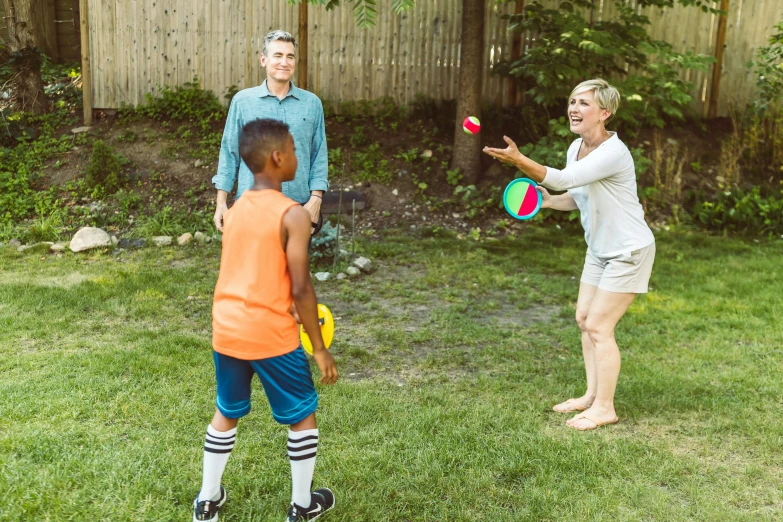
[
  {"x": 321, "y": 501},
  {"x": 207, "y": 510}
]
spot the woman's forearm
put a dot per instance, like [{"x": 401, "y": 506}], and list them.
[
  {"x": 564, "y": 202},
  {"x": 536, "y": 171}
]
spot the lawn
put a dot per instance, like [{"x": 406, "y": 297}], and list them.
[{"x": 451, "y": 354}]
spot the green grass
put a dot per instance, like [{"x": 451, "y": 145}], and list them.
[{"x": 451, "y": 355}]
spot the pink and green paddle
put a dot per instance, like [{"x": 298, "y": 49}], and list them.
[{"x": 521, "y": 199}]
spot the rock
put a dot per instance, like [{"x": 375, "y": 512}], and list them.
[
  {"x": 132, "y": 243},
  {"x": 184, "y": 239},
  {"x": 57, "y": 247},
  {"x": 201, "y": 237},
  {"x": 323, "y": 276},
  {"x": 162, "y": 240},
  {"x": 353, "y": 271},
  {"x": 14, "y": 243},
  {"x": 197, "y": 163},
  {"x": 89, "y": 237},
  {"x": 80, "y": 130},
  {"x": 344, "y": 254},
  {"x": 426, "y": 154},
  {"x": 396, "y": 192},
  {"x": 341, "y": 276},
  {"x": 363, "y": 264},
  {"x": 114, "y": 240}
]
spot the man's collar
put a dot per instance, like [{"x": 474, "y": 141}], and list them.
[{"x": 293, "y": 91}]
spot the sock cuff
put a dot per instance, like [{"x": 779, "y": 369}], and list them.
[
  {"x": 221, "y": 434},
  {"x": 295, "y": 436},
  {"x": 302, "y": 445}
]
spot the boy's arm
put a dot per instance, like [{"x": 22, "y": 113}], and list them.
[{"x": 296, "y": 235}]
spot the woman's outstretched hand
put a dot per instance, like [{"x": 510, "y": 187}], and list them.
[
  {"x": 546, "y": 198},
  {"x": 510, "y": 154}
]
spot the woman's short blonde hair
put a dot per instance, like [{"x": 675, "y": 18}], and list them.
[{"x": 605, "y": 95}]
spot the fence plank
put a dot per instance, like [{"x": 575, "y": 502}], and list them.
[{"x": 402, "y": 57}]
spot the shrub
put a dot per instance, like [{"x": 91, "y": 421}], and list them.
[
  {"x": 104, "y": 170},
  {"x": 743, "y": 211}
]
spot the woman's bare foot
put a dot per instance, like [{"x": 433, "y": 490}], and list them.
[
  {"x": 572, "y": 405},
  {"x": 592, "y": 418}
]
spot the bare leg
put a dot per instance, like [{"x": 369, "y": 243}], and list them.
[
  {"x": 605, "y": 311},
  {"x": 306, "y": 424},
  {"x": 221, "y": 423},
  {"x": 586, "y": 295}
]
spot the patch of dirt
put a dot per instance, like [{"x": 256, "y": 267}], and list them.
[{"x": 67, "y": 281}]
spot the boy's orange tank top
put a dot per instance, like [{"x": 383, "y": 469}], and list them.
[{"x": 251, "y": 316}]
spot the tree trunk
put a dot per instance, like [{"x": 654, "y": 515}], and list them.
[
  {"x": 24, "y": 45},
  {"x": 466, "y": 153}
]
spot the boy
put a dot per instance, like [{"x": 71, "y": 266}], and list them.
[{"x": 264, "y": 271}]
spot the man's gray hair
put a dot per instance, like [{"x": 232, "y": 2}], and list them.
[{"x": 279, "y": 34}]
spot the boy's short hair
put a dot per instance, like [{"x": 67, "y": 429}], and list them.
[
  {"x": 279, "y": 34},
  {"x": 258, "y": 139},
  {"x": 606, "y": 96}
]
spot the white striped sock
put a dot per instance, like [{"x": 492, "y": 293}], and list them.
[
  {"x": 217, "y": 449},
  {"x": 302, "y": 447}
]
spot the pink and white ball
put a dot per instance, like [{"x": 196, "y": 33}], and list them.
[{"x": 471, "y": 125}]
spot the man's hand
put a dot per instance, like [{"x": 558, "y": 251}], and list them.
[
  {"x": 313, "y": 206},
  {"x": 325, "y": 363},
  {"x": 220, "y": 209}
]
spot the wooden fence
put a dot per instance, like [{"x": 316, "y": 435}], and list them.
[
  {"x": 136, "y": 46},
  {"x": 60, "y": 33}
]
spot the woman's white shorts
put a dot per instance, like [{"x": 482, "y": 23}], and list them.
[{"x": 625, "y": 273}]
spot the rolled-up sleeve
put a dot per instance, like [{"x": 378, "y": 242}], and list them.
[
  {"x": 228, "y": 163},
  {"x": 319, "y": 156},
  {"x": 599, "y": 164}
]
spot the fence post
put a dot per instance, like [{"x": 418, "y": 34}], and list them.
[
  {"x": 720, "y": 41},
  {"x": 302, "y": 45},
  {"x": 86, "y": 71}
]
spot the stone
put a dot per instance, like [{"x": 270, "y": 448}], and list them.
[
  {"x": 323, "y": 276},
  {"x": 80, "y": 130},
  {"x": 87, "y": 238},
  {"x": 201, "y": 237},
  {"x": 57, "y": 247},
  {"x": 14, "y": 243},
  {"x": 396, "y": 192},
  {"x": 426, "y": 154},
  {"x": 132, "y": 243},
  {"x": 341, "y": 276},
  {"x": 353, "y": 271},
  {"x": 114, "y": 240},
  {"x": 363, "y": 264},
  {"x": 162, "y": 240},
  {"x": 197, "y": 163},
  {"x": 184, "y": 239}
]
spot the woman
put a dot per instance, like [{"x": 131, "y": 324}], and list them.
[{"x": 600, "y": 181}]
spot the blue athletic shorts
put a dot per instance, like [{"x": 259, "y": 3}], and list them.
[{"x": 286, "y": 379}]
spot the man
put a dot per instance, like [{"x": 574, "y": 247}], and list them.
[{"x": 279, "y": 99}]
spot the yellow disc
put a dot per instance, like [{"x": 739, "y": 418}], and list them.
[{"x": 327, "y": 329}]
